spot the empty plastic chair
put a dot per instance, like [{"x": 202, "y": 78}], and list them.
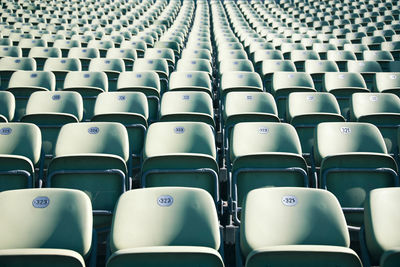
[
  {"x": 24, "y": 83},
  {"x": 41, "y": 54},
  {"x": 380, "y": 109},
  {"x": 60, "y": 67},
  {"x": 239, "y": 81},
  {"x": 342, "y": 86},
  {"x": 273, "y": 239},
  {"x": 84, "y": 54},
  {"x": 88, "y": 84},
  {"x": 10, "y": 51},
  {"x": 194, "y": 64},
  {"x": 27, "y": 44},
  {"x": 381, "y": 218},
  {"x": 8, "y": 65},
  {"x": 284, "y": 83},
  {"x": 356, "y": 152},
  {"x": 50, "y": 111},
  {"x": 128, "y": 55},
  {"x": 130, "y": 109},
  {"x": 63, "y": 222},
  {"x": 188, "y": 212},
  {"x": 306, "y": 110},
  {"x": 146, "y": 82},
  {"x": 366, "y": 68},
  {"x": 269, "y": 67},
  {"x": 388, "y": 82},
  {"x": 341, "y": 57},
  {"x": 190, "y": 81},
  {"x": 159, "y": 65},
  {"x": 187, "y": 106},
  {"x": 7, "y": 106},
  {"x": 264, "y": 154},
  {"x": 20, "y": 155},
  {"x": 165, "y": 53},
  {"x": 317, "y": 70},
  {"x": 180, "y": 154},
  {"x": 66, "y": 45},
  {"x": 101, "y": 45},
  {"x": 92, "y": 157},
  {"x": 300, "y": 56},
  {"x": 230, "y": 65},
  {"x": 110, "y": 66}
]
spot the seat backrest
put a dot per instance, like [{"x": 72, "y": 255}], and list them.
[
  {"x": 190, "y": 80},
  {"x": 43, "y": 80},
  {"x": 122, "y": 102},
  {"x": 23, "y": 139},
  {"x": 7, "y": 106},
  {"x": 86, "y": 79},
  {"x": 237, "y": 103},
  {"x": 83, "y": 52},
  {"x": 363, "y": 66},
  {"x": 341, "y": 55},
  {"x": 165, "y": 138},
  {"x": 45, "y": 52},
  {"x": 363, "y": 104},
  {"x": 287, "y": 80},
  {"x": 333, "y": 138},
  {"x": 93, "y": 137},
  {"x": 229, "y": 65},
  {"x": 138, "y": 79},
  {"x": 263, "y": 137},
  {"x": 188, "y": 213},
  {"x": 268, "y": 215},
  {"x": 347, "y": 80},
  {"x": 62, "y": 64},
  {"x": 381, "y": 220},
  {"x": 10, "y": 51},
  {"x": 55, "y": 102},
  {"x": 125, "y": 53},
  {"x": 301, "y": 103},
  {"x": 320, "y": 66},
  {"x": 107, "y": 65},
  {"x": 46, "y": 218},
  {"x": 299, "y": 55},
  {"x": 241, "y": 80},
  {"x": 17, "y": 63},
  {"x": 271, "y": 66},
  {"x": 387, "y": 81}
]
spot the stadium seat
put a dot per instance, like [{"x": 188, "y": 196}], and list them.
[
  {"x": 50, "y": 111},
  {"x": 341, "y": 57},
  {"x": 306, "y": 110},
  {"x": 269, "y": 67},
  {"x": 264, "y": 154},
  {"x": 110, "y": 66},
  {"x": 9, "y": 65},
  {"x": 180, "y": 154},
  {"x": 128, "y": 55},
  {"x": 23, "y": 83},
  {"x": 387, "y": 83},
  {"x": 130, "y": 109},
  {"x": 146, "y": 82},
  {"x": 92, "y": 157},
  {"x": 159, "y": 65},
  {"x": 300, "y": 56},
  {"x": 10, "y": 51},
  {"x": 41, "y": 54},
  {"x": 284, "y": 83},
  {"x": 381, "y": 218},
  {"x": 239, "y": 81},
  {"x": 191, "y": 81},
  {"x": 380, "y": 109},
  {"x": 317, "y": 69},
  {"x": 366, "y": 68},
  {"x": 7, "y": 106},
  {"x": 269, "y": 236},
  {"x": 188, "y": 213},
  {"x": 60, "y": 67},
  {"x": 63, "y": 228},
  {"x": 342, "y": 86},
  {"x": 89, "y": 84},
  {"x": 187, "y": 106},
  {"x": 356, "y": 151}
]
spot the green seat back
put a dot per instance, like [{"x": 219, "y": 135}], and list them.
[
  {"x": 240, "y": 81},
  {"x": 187, "y": 106},
  {"x": 61, "y": 219},
  {"x": 268, "y": 215},
  {"x": 230, "y": 65},
  {"x": 190, "y": 80},
  {"x": 381, "y": 220},
  {"x": 387, "y": 82},
  {"x": 7, "y": 106}
]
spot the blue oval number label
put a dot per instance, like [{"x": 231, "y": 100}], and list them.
[
  {"x": 165, "y": 201},
  {"x": 41, "y": 202},
  {"x": 93, "y": 130},
  {"x": 5, "y": 131},
  {"x": 179, "y": 130},
  {"x": 289, "y": 201}
]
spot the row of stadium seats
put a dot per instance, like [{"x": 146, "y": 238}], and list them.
[{"x": 281, "y": 226}]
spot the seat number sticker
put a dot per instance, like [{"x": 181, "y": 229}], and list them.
[
  {"x": 179, "y": 130},
  {"x": 93, "y": 130},
  {"x": 345, "y": 130},
  {"x": 41, "y": 202},
  {"x": 263, "y": 130},
  {"x": 165, "y": 201},
  {"x": 289, "y": 201},
  {"x": 5, "y": 131}
]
